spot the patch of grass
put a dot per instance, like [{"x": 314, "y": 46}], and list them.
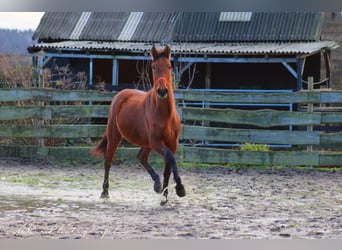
[
  {"x": 195, "y": 165},
  {"x": 256, "y": 167},
  {"x": 187, "y": 165},
  {"x": 329, "y": 169},
  {"x": 255, "y": 147},
  {"x": 59, "y": 201},
  {"x": 41, "y": 173},
  {"x": 43, "y": 179},
  {"x": 29, "y": 180},
  {"x": 294, "y": 225}
]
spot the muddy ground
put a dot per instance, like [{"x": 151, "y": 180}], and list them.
[{"x": 62, "y": 202}]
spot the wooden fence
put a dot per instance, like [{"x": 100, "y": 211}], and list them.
[
  {"x": 40, "y": 123},
  {"x": 287, "y": 130}
]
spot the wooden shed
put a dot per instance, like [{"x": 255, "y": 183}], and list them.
[
  {"x": 332, "y": 30},
  {"x": 210, "y": 50}
]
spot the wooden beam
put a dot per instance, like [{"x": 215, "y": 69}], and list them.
[
  {"x": 91, "y": 71},
  {"x": 290, "y": 69},
  {"x": 300, "y": 68},
  {"x": 260, "y": 118},
  {"x": 327, "y": 62},
  {"x": 115, "y": 73},
  {"x": 201, "y": 133},
  {"x": 269, "y": 158}
]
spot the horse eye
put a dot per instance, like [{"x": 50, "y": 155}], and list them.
[{"x": 153, "y": 67}]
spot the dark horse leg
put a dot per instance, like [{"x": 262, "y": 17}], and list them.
[
  {"x": 113, "y": 141},
  {"x": 105, "y": 185},
  {"x": 167, "y": 173},
  {"x": 170, "y": 164},
  {"x": 143, "y": 158},
  {"x": 170, "y": 159}
]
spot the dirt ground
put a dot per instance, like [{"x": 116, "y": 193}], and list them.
[{"x": 45, "y": 201}]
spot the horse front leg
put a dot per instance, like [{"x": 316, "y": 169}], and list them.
[
  {"x": 167, "y": 173},
  {"x": 170, "y": 160},
  {"x": 143, "y": 158}
]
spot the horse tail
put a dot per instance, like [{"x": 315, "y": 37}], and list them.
[{"x": 100, "y": 149}]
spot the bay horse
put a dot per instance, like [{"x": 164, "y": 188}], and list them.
[{"x": 148, "y": 120}]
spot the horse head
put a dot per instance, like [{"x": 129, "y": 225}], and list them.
[{"x": 161, "y": 71}]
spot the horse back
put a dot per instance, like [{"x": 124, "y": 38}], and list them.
[{"x": 127, "y": 97}]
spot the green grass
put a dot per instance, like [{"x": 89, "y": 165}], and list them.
[
  {"x": 255, "y": 147},
  {"x": 44, "y": 179},
  {"x": 29, "y": 180}
]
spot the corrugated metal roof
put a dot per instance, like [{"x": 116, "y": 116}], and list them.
[
  {"x": 81, "y": 23},
  {"x": 103, "y": 26},
  {"x": 235, "y": 16},
  {"x": 194, "y": 48},
  {"x": 56, "y": 26},
  {"x": 182, "y": 27},
  {"x": 155, "y": 27},
  {"x": 108, "y": 26},
  {"x": 130, "y": 26},
  {"x": 263, "y": 26}
]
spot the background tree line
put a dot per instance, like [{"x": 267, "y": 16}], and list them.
[{"x": 13, "y": 41}]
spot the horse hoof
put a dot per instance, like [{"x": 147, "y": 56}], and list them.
[
  {"x": 163, "y": 203},
  {"x": 157, "y": 187},
  {"x": 180, "y": 190},
  {"x": 104, "y": 195}
]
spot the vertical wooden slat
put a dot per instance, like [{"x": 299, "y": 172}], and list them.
[{"x": 310, "y": 109}]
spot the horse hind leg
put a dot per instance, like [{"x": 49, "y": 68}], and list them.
[
  {"x": 143, "y": 158},
  {"x": 113, "y": 141}
]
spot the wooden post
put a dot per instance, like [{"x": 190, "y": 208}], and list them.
[
  {"x": 327, "y": 63},
  {"x": 40, "y": 72},
  {"x": 41, "y": 121},
  {"x": 115, "y": 73},
  {"x": 176, "y": 72},
  {"x": 35, "y": 71},
  {"x": 310, "y": 108},
  {"x": 299, "y": 73},
  {"x": 208, "y": 76},
  {"x": 91, "y": 66},
  {"x": 207, "y": 86},
  {"x": 91, "y": 84},
  {"x": 207, "y": 83}
]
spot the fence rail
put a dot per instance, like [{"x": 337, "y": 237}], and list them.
[{"x": 31, "y": 115}]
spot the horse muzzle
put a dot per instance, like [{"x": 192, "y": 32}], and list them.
[{"x": 162, "y": 92}]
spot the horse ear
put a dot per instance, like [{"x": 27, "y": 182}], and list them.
[
  {"x": 167, "y": 51},
  {"x": 154, "y": 53}
]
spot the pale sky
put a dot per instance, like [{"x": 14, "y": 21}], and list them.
[{"x": 20, "y": 20}]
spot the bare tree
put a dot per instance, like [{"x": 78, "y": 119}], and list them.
[
  {"x": 144, "y": 81},
  {"x": 190, "y": 69}
]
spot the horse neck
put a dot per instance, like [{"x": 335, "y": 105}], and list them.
[{"x": 164, "y": 106}]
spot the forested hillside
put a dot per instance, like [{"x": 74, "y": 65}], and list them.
[{"x": 15, "y": 41}]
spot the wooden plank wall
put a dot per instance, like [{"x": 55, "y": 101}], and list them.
[
  {"x": 61, "y": 124},
  {"x": 286, "y": 129},
  {"x": 30, "y": 119}
]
